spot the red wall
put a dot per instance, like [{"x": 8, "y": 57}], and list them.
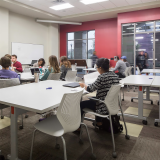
[
  {"x": 135, "y": 16},
  {"x": 105, "y": 36}
]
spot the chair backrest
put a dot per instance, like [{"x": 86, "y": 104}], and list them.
[
  {"x": 95, "y": 66},
  {"x": 4, "y": 83},
  {"x": 130, "y": 70},
  {"x": 91, "y": 77},
  {"x": 139, "y": 72},
  {"x": 69, "y": 113},
  {"x": 112, "y": 99},
  {"x": 89, "y": 63},
  {"x": 71, "y": 76},
  {"x": 126, "y": 71},
  {"x": 26, "y": 69},
  {"x": 74, "y": 67},
  {"x": 54, "y": 76}
]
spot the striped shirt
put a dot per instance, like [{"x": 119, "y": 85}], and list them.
[{"x": 102, "y": 85}]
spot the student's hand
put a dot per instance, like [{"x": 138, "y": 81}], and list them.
[{"x": 82, "y": 85}]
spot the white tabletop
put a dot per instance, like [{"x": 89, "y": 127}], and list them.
[
  {"x": 138, "y": 80},
  {"x": 34, "y": 96},
  {"x": 156, "y": 82},
  {"x": 90, "y": 69},
  {"x": 150, "y": 71},
  {"x": 26, "y": 76}
]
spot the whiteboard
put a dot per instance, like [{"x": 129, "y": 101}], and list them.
[{"x": 27, "y": 52}]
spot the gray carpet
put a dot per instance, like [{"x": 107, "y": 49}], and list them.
[{"x": 145, "y": 147}]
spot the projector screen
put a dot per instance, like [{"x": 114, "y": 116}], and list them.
[{"x": 27, "y": 52}]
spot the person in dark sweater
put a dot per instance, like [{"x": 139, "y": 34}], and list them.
[
  {"x": 102, "y": 85},
  {"x": 17, "y": 65},
  {"x": 94, "y": 58},
  {"x": 65, "y": 66}
]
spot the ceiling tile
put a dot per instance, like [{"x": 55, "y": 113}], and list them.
[
  {"x": 108, "y": 5},
  {"x": 145, "y": 1},
  {"x": 132, "y": 2},
  {"x": 120, "y": 3}
]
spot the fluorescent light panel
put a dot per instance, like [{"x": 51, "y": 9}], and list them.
[
  {"x": 92, "y": 1},
  {"x": 139, "y": 37},
  {"x": 62, "y": 6}
]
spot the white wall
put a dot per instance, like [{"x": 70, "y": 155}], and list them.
[{"x": 23, "y": 29}]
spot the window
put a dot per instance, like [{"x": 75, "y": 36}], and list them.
[{"x": 80, "y": 45}]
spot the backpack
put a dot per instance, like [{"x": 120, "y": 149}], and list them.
[{"x": 117, "y": 127}]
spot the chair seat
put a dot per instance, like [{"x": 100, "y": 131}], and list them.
[
  {"x": 94, "y": 113},
  {"x": 50, "y": 126}
]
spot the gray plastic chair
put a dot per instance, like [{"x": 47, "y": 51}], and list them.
[
  {"x": 71, "y": 76},
  {"x": 68, "y": 119},
  {"x": 54, "y": 76},
  {"x": 4, "y": 83},
  {"x": 113, "y": 104}
]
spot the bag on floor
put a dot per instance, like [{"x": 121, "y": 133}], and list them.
[{"x": 117, "y": 127}]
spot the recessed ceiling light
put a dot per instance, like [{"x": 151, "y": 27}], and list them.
[
  {"x": 92, "y": 1},
  {"x": 62, "y": 6}
]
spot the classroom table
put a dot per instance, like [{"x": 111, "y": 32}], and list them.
[
  {"x": 90, "y": 69},
  {"x": 26, "y": 76},
  {"x": 34, "y": 97},
  {"x": 147, "y": 71},
  {"x": 156, "y": 83},
  {"x": 140, "y": 81}
]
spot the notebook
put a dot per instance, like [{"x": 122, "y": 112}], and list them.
[{"x": 72, "y": 85}]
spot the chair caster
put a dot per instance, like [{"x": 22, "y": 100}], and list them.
[
  {"x": 93, "y": 157},
  {"x": 156, "y": 124},
  {"x": 131, "y": 100},
  {"x": 20, "y": 127},
  {"x": 57, "y": 146},
  {"x": 127, "y": 136},
  {"x": 114, "y": 155},
  {"x": 144, "y": 122},
  {"x": 122, "y": 99},
  {"x": 26, "y": 116},
  {"x": 80, "y": 141},
  {"x": 151, "y": 102},
  {"x": 2, "y": 117}
]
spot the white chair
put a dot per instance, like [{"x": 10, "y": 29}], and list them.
[
  {"x": 113, "y": 104},
  {"x": 71, "y": 76},
  {"x": 139, "y": 73},
  {"x": 130, "y": 70},
  {"x": 74, "y": 68},
  {"x": 4, "y": 83},
  {"x": 68, "y": 119},
  {"x": 54, "y": 76},
  {"x": 26, "y": 69}
]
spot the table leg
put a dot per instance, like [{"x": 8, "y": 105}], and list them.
[{"x": 158, "y": 120}]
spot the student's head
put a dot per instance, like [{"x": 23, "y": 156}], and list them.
[
  {"x": 64, "y": 61},
  {"x": 5, "y": 62},
  {"x": 8, "y": 55},
  {"x": 54, "y": 64},
  {"x": 41, "y": 62},
  {"x": 124, "y": 58},
  {"x": 94, "y": 53},
  {"x": 14, "y": 58},
  {"x": 102, "y": 65}
]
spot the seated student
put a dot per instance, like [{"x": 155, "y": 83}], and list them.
[
  {"x": 41, "y": 62},
  {"x": 17, "y": 65},
  {"x": 5, "y": 72},
  {"x": 53, "y": 67},
  {"x": 65, "y": 66},
  {"x": 124, "y": 59},
  {"x": 102, "y": 85},
  {"x": 121, "y": 67},
  {"x": 10, "y": 68}
]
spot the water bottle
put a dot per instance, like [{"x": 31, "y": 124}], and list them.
[{"x": 36, "y": 75}]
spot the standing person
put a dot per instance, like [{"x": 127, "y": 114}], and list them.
[
  {"x": 124, "y": 59},
  {"x": 17, "y": 65},
  {"x": 53, "y": 67},
  {"x": 120, "y": 67},
  {"x": 6, "y": 72},
  {"x": 65, "y": 66},
  {"x": 40, "y": 63},
  {"x": 102, "y": 85},
  {"x": 140, "y": 60},
  {"x": 94, "y": 58}
]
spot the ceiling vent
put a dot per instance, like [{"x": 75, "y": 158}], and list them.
[{"x": 57, "y": 2}]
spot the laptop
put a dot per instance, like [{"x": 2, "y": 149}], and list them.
[
  {"x": 72, "y": 85},
  {"x": 33, "y": 61},
  {"x": 34, "y": 70}
]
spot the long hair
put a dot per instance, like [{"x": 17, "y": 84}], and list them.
[
  {"x": 65, "y": 62},
  {"x": 43, "y": 61},
  {"x": 53, "y": 64}
]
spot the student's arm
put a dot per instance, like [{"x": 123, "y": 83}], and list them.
[
  {"x": 45, "y": 76},
  {"x": 63, "y": 72},
  {"x": 19, "y": 67},
  {"x": 116, "y": 67}
]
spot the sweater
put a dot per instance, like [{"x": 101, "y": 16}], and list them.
[
  {"x": 46, "y": 74},
  {"x": 120, "y": 66},
  {"x": 8, "y": 74},
  {"x": 102, "y": 85},
  {"x": 64, "y": 70},
  {"x": 18, "y": 66}
]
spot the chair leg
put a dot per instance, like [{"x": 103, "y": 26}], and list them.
[
  {"x": 57, "y": 146},
  {"x": 32, "y": 144},
  {"x": 93, "y": 156},
  {"x": 64, "y": 148},
  {"x": 80, "y": 137},
  {"x": 114, "y": 154},
  {"x": 2, "y": 117},
  {"x": 21, "y": 127}
]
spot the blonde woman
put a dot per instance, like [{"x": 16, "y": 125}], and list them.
[
  {"x": 53, "y": 67},
  {"x": 65, "y": 66}
]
